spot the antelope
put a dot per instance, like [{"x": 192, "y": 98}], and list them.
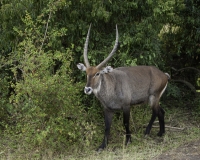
[{"x": 119, "y": 88}]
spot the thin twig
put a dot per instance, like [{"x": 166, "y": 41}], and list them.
[
  {"x": 193, "y": 68},
  {"x": 45, "y": 34},
  {"x": 193, "y": 89},
  {"x": 170, "y": 127},
  {"x": 4, "y": 65}
]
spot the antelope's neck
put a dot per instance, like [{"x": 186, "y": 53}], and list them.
[
  {"x": 101, "y": 88},
  {"x": 97, "y": 89}
]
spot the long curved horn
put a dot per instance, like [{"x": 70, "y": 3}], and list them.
[
  {"x": 112, "y": 52},
  {"x": 86, "y": 48}
]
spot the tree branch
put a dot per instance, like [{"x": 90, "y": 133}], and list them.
[
  {"x": 45, "y": 34},
  {"x": 193, "y": 68},
  {"x": 193, "y": 89},
  {"x": 170, "y": 127}
]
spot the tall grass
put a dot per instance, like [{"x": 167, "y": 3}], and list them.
[{"x": 15, "y": 148}]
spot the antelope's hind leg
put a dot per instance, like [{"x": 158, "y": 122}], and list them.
[
  {"x": 153, "y": 117},
  {"x": 157, "y": 111},
  {"x": 161, "y": 114}
]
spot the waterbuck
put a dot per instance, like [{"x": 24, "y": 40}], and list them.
[{"x": 119, "y": 88}]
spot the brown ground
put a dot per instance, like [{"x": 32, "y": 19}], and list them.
[{"x": 188, "y": 151}]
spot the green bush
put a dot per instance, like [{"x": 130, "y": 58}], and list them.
[
  {"x": 5, "y": 106},
  {"x": 46, "y": 101},
  {"x": 47, "y": 107}
]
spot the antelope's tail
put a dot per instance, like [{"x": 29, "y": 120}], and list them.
[{"x": 168, "y": 75}]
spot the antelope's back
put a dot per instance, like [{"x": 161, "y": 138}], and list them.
[{"x": 143, "y": 81}]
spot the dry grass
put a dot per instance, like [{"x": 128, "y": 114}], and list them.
[{"x": 143, "y": 148}]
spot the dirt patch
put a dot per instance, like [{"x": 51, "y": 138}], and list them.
[{"x": 188, "y": 151}]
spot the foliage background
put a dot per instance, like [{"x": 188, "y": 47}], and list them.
[{"x": 41, "y": 41}]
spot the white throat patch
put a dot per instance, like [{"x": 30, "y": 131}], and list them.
[{"x": 96, "y": 90}]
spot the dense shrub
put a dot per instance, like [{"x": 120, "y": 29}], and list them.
[{"x": 46, "y": 102}]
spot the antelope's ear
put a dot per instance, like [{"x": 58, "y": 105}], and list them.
[
  {"x": 81, "y": 66},
  {"x": 108, "y": 69}
]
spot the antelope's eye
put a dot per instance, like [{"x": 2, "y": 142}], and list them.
[{"x": 97, "y": 74}]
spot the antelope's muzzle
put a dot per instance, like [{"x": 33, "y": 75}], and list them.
[{"x": 88, "y": 90}]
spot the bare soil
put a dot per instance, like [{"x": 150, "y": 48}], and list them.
[{"x": 188, "y": 151}]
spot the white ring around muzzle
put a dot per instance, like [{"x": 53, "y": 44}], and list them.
[{"x": 88, "y": 90}]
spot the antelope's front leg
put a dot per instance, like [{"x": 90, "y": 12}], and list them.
[
  {"x": 126, "y": 117},
  {"x": 108, "y": 120}
]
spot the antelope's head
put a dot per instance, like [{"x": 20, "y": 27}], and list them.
[{"x": 94, "y": 73}]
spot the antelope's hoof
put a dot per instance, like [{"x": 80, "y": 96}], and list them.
[
  {"x": 99, "y": 150},
  {"x": 146, "y": 135},
  {"x": 160, "y": 134},
  {"x": 128, "y": 141}
]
